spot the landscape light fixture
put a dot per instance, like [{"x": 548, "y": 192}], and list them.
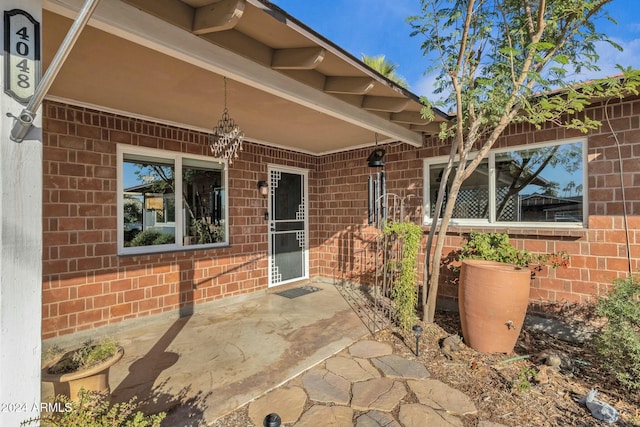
[
  {"x": 417, "y": 331},
  {"x": 226, "y": 139},
  {"x": 272, "y": 420}
]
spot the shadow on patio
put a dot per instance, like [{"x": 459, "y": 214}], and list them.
[{"x": 201, "y": 367}]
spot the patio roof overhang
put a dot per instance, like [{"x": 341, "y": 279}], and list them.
[{"x": 287, "y": 85}]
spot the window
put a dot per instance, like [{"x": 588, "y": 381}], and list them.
[
  {"x": 539, "y": 184},
  {"x": 169, "y": 201}
]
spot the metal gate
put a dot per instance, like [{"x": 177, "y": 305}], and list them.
[{"x": 368, "y": 288}]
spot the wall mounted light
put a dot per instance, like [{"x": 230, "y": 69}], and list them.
[
  {"x": 375, "y": 159},
  {"x": 263, "y": 188}
]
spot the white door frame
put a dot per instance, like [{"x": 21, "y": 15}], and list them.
[{"x": 273, "y": 182}]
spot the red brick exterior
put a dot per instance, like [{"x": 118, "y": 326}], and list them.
[{"x": 86, "y": 284}]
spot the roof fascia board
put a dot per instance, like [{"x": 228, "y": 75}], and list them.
[
  {"x": 132, "y": 24},
  {"x": 322, "y": 41}
]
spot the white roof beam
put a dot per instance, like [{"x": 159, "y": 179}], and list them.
[
  {"x": 139, "y": 27},
  {"x": 385, "y": 103},
  {"x": 348, "y": 85},
  {"x": 220, "y": 16},
  {"x": 430, "y": 128},
  {"x": 304, "y": 58},
  {"x": 175, "y": 12},
  {"x": 409, "y": 117}
]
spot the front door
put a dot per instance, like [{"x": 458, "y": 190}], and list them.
[{"x": 288, "y": 226}]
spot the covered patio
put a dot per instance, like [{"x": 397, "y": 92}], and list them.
[
  {"x": 198, "y": 368},
  {"x": 287, "y": 86},
  {"x": 146, "y": 75}
]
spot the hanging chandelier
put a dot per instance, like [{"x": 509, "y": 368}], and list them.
[{"x": 226, "y": 139}]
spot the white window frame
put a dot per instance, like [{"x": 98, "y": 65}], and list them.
[
  {"x": 177, "y": 158},
  {"x": 491, "y": 222}
]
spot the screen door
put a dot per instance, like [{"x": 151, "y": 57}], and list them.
[{"x": 288, "y": 240}]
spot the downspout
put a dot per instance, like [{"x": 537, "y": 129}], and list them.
[{"x": 23, "y": 123}]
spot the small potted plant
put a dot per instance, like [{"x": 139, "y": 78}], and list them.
[
  {"x": 84, "y": 367},
  {"x": 493, "y": 291}
]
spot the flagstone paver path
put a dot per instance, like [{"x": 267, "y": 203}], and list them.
[{"x": 368, "y": 381}]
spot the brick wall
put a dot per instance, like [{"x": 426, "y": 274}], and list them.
[
  {"x": 598, "y": 253},
  {"x": 85, "y": 283}
]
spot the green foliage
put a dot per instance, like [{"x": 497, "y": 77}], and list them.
[
  {"x": 526, "y": 375},
  {"x": 386, "y": 68},
  {"x": 89, "y": 354},
  {"x": 502, "y": 57},
  {"x": 132, "y": 210},
  {"x": 152, "y": 237},
  {"x": 93, "y": 409},
  {"x": 496, "y": 247},
  {"x": 502, "y": 62},
  {"x": 404, "y": 290},
  {"x": 618, "y": 342},
  {"x": 208, "y": 233}
]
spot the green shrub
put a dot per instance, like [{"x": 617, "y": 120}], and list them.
[
  {"x": 404, "y": 291},
  {"x": 152, "y": 237},
  {"x": 496, "y": 247},
  {"x": 93, "y": 409},
  {"x": 618, "y": 342}
]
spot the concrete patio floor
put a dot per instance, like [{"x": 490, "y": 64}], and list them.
[{"x": 203, "y": 366}]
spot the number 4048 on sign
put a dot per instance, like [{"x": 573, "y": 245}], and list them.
[{"x": 21, "y": 55}]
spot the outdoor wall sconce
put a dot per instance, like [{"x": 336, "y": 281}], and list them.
[
  {"x": 263, "y": 188},
  {"x": 375, "y": 158},
  {"x": 417, "y": 331}
]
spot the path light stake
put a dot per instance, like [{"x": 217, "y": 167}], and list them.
[
  {"x": 272, "y": 420},
  {"x": 417, "y": 331}
]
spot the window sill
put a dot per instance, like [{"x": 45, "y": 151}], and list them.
[
  {"x": 173, "y": 248},
  {"x": 514, "y": 231}
]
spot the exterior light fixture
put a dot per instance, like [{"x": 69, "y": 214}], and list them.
[
  {"x": 226, "y": 139},
  {"x": 417, "y": 331},
  {"x": 263, "y": 188},
  {"x": 272, "y": 420},
  {"x": 375, "y": 158}
]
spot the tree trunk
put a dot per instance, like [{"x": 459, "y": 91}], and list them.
[{"x": 429, "y": 309}]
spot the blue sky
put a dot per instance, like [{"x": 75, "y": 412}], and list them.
[{"x": 376, "y": 27}]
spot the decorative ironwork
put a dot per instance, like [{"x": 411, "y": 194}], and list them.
[
  {"x": 366, "y": 280},
  {"x": 226, "y": 140}
]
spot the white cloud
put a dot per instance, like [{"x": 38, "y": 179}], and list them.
[
  {"x": 425, "y": 86},
  {"x": 610, "y": 57}
]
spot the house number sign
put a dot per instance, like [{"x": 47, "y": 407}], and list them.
[{"x": 21, "y": 55}]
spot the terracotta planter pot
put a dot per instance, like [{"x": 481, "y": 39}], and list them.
[
  {"x": 95, "y": 378},
  {"x": 492, "y": 299}
]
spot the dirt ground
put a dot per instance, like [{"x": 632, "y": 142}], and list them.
[
  {"x": 520, "y": 389},
  {"x": 517, "y": 389}
]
